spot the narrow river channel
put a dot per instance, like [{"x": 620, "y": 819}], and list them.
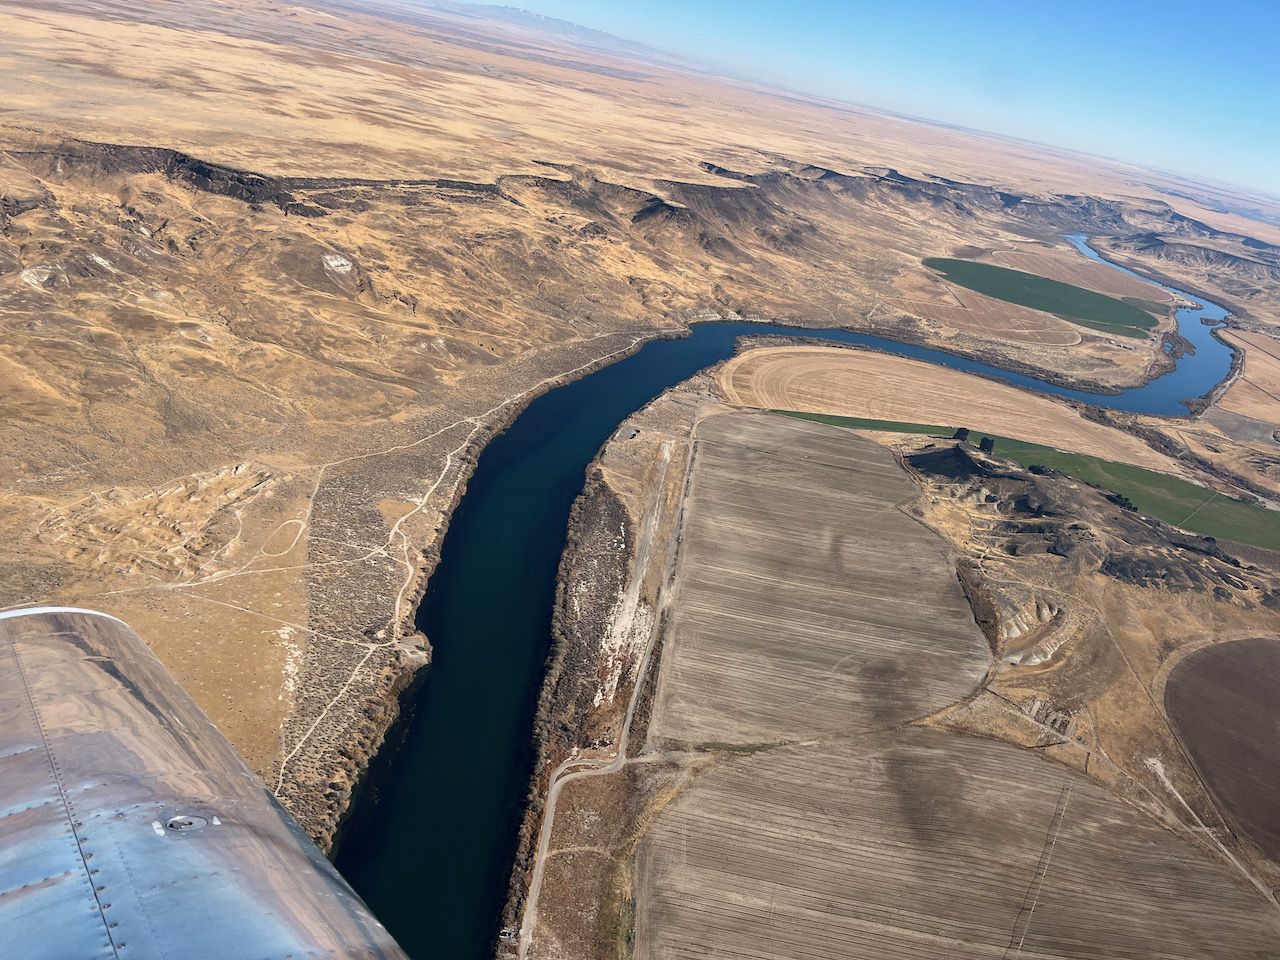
[{"x": 430, "y": 841}]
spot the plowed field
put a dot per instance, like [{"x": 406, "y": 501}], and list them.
[
  {"x": 806, "y": 602},
  {"x": 921, "y": 844},
  {"x": 1222, "y": 701}
]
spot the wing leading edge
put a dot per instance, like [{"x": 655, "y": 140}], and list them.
[{"x": 130, "y": 827}]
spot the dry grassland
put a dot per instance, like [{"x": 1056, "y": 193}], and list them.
[
  {"x": 855, "y": 383},
  {"x": 806, "y": 603},
  {"x": 382, "y": 90},
  {"x": 586, "y": 909},
  {"x": 922, "y": 844},
  {"x": 1256, "y": 393},
  {"x": 988, "y": 317}
]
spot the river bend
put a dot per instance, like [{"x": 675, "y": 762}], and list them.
[{"x": 430, "y": 840}]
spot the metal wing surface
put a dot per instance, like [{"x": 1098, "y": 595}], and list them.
[{"x": 131, "y": 828}]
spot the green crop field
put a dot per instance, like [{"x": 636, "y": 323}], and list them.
[
  {"x": 860, "y": 423},
  {"x": 1085, "y": 307},
  {"x": 1151, "y": 306},
  {"x": 1184, "y": 504}
]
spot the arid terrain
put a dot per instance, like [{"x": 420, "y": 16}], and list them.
[
  {"x": 271, "y": 275},
  {"x": 875, "y": 386},
  {"x": 907, "y": 698}
]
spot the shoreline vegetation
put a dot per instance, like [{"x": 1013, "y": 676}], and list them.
[{"x": 1187, "y": 505}]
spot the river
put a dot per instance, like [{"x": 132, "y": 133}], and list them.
[{"x": 430, "y": 840}]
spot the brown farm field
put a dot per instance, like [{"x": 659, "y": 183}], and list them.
[
  {"x": 834, "y": 828},
  {"x": 853, "y": 383},
  {"x": 1256, "y": 393},
  {"x": 786, "y": 532},
  {"x": 1222, "y": 702},
  {"x": 988, "y": 317},
  {"x": 923, "y": 844},
  {"x": 841, "y": 762}
]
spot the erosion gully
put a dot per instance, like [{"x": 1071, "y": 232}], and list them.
[{"x": 430, "y": 840}]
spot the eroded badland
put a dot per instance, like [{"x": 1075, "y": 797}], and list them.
[{"x": 271, "y": 276}]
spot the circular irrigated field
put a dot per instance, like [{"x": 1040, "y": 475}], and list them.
[
  {"x": 1224, "y": 702},
  {"x": 856, "y": 383}
]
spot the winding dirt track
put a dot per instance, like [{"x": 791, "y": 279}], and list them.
[
  {"x": 854, "y": 383},
  {"x": 575, "y": 768}
]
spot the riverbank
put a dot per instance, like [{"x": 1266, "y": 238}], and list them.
[
  {"x": 321, "y": 795},
  {"x": 380, "y": 704},
  {"x": 608, "y": 616},
  {"x": 609, "y": 858},
  {"x": 334, "y": 740}
]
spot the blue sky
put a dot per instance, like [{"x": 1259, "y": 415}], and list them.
[{"x": 1191, "y": 88}]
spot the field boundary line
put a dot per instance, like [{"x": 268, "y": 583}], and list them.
[
  {"x": 1038, "y": 878},
  {"x": 1197, "y": 509}
]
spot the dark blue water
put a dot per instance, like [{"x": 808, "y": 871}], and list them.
[
  {"x": 429, "y": 844},
  {"x": 1196, "y": 375}
]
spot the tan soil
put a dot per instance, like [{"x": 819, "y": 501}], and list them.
[
  {"x": 989, "y": 317},
  {"x": 520, "y": 206},
  {"x": 1064, "y": 264},
  {"x": 853, "y": 383},
  {"x": 1256, "y": 393}
]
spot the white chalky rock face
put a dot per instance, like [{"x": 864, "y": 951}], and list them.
[
  {"x": 38, "y": 276},
  {"x": 337, "y": 263},
  {"x": 102, "y": 262}
]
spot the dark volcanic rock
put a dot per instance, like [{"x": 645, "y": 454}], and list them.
[{"x": 1046, "y": 512}]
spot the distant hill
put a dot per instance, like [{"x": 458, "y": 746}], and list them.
[{"x": 566, "y": 30}]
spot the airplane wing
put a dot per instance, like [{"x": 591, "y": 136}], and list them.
[{"x": 131, "y": 828}]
